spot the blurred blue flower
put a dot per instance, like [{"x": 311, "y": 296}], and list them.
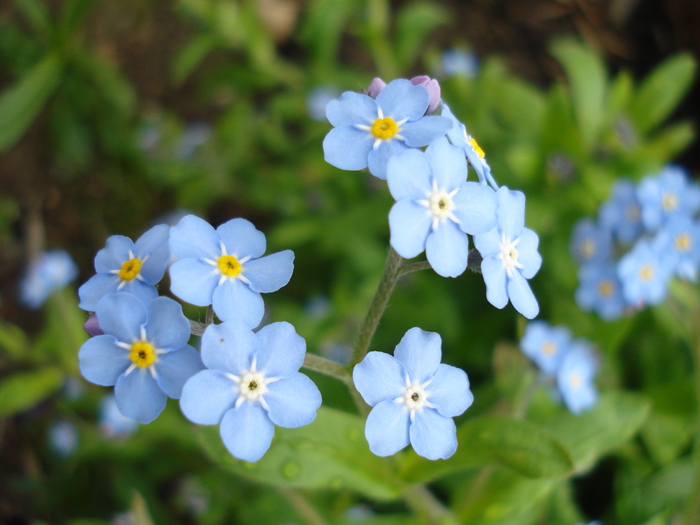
[
  {"x": 575, "y": 377},
  {"x": 666, "y": 194},
  {"x": 63, "y": 437},
  {"x": 125, "y": 266},
  {"x": 318, "y": 99},
  {"x": 644, "y": 275},
  {"x": 114, "y": 424},
  {"x": 414, "y": 397},
  {"x": 510, "y": 256},
  {"x": 590, "y": 242},
  {"x": 144, "y": 353},
  {"x": 459, "y": 62},
  {"x": 678, "y": 243},
  {"x": 253, "y": 383},
  {"x": 368, "y": 132},
  {"x": 546, "y": 345},
  {"x": 600, "y": 290},
  {"x": 436, "y": 206},
  {"x": 195, "y": 135},
  {"x": 621, "y": 214},
  {"x": 49, "y": 272},
  {"x": 225, "y": 268}
]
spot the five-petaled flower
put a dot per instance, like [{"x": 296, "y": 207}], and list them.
[
  {"x": 414, "y": 397},
  {"x": 253, "y": 383}
]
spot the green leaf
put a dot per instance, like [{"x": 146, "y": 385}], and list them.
[
  {"x": 13, "y": 341},
  {"x": 191, "y": 55},
  {"x": 23, "y": 390},
  {"x": 587, "y": 79},
  {"x": 522, "y": 446},
  {"x": 36, "y": 13},
  {"x": 21, "y": 104},
  {"x": 330, "y": 453},
  {"x": 414, "y": 23},
  {"x": 73, "y": 14},
  {"x": 662, "y": 90},
  {"x": 63, "y": 334},
  {"x": 323, "y": 29}
]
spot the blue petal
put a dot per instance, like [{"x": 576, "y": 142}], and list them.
[
  {"x": 139, "y": 396},
  {"x": 167, "y": 327},
  {"x": 122, "y": 315},
  {"x": 527, "y": 253},
  {"x": 247, "y": 431},
  {"x": 433, "y": 436},
  {"x": 522, "y": 297},
  {"x": 449, "y": 391},
  {"x": 234, "y": 300},
  {"x": 475, "y": 207},
  {"x": 270, "y": 273},
  {"x": 347, "y": 148},
  {"x": 194, "y": 281},
  {"x": 175, "y": 368},
  {"x": 489, "y": 243},
  {"x": 194, "y": 237},
  {"x": 511, "y": 212},
  {"x": 400, "y": 99},
  {"x": 281, "y": 350},
  {"x": 293, "y": 401},
  {"x": 419, "y": 352},
  {"x": 154, "y": 244},
  {"x": 206, "y": 397},
  {"x": 351, "y": 108},
  {"x": 495, "y": 278},
  {"x": 386, "y": 429},
  {"x": 424, "y": 131},
  {"x": 143, "y": 291},
  {"x": 242, "y": 239},
  {"x": 114, "y": 254},
  {"x": 379, "y": 377},
  {"x": 95, "y": 289},
  {"x": 409, "y": 224},
  {"x": 447, "y": 249},
  {"x": 102, "y": 361},
  {"x": 379, "y": 157},
  {"x": 229, "y": 347},
  {"x": 448, "y": 164},
  {"x": 408, "y": 175}
]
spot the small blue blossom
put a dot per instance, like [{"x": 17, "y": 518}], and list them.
[
  {"x": 63, "y": 438},
  {"x": 622, "y": 215},
  {"x": 666, "y": 194},
  {"x": 546, "y": 345},
  {"x": 590, "y": 242},
  {"x": 125, "y": 266},
  {"x": 575, "y": 377},
  {"x": 436, "y": 206},
  {"x": 143, "y": 353},
  {"x": 225, "y": 268},
  {"x": 253, "y": 383},
  {"x": 458, "y": 62},
  {"x": 600, "y": 290},
  {"x": 644, "y": 275},
  {"x": 678, "y": 243},
  {"x": 432, "y": 85},
  {"x": 510, "y": 256},
  {"x": 368, "y": 132},
  {"x": 317, "y": 100},
  {"x": 414, "y": 397},
  {"x": 50, "y": 271},
  {"x": 113, "y": 424}
]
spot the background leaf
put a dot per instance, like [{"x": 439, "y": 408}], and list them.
[{"x": 23, "y": 390}]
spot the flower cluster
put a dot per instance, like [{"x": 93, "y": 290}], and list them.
[
  {"x": 48, "y": 272},
  {"x": 654, "y": 226},
  {"x": 569, "y": 363}
]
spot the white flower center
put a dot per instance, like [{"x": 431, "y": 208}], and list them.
[
  {"x": 440, "y": 205},
  {"x": 509, "y": 254},
  {"x": 252, "y": 385},
  {"x": 415, "y": 397}
]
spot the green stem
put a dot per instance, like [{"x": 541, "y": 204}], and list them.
[
  {"x": 423, "y": 503},
  {"x": 306, "y": 511},
  {"x": 327, "y": 367},
  {"x": 692, "y": 514}
]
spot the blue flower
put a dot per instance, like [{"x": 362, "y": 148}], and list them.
[
  {"x": 143, "y": 352},
  {"x": 436, "y": 206},
  {"x": 590, "y": 242},
  {"x": 317, "y": 100},
  {"x": 546, "y": 345},
  {"x": 414, "y": 397},
  {"x": 621, "y": 215},
  {"x": 432, "y": 85},
  {"x": 575, "y": 377},
  {"x": 678, "y": 243},
  {"x": 63, "y": 437},
  {"x": 125, "y": 266},
  {"x": 644, "y": 275},
  {"x": 47, "y": 273},
  {"x": 225, "y": 268},
  {"x": 253, "y": 383},
  {"x": 459, "y": 62},
  {"x": 477, "y": 158},
  {"x": 600, "y": 290},
  {"x": 114, "y": 424},
  {"x": 666, "y": 194},
  {"x": 510, "y": 256},
  {"x": 369, "y": 132}
]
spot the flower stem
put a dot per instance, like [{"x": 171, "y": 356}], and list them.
[
  {"x": 327, "y": 367},
  {"x": 422, "y": 502}
]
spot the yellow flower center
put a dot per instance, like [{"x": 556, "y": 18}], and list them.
[
  {"x": 476, "y": 147},
  {"x": 646, "y": 273},
  {"x": 682, "y": 242},
  {"x": 669, "y": 202},
  {"x": 385, "y": 128},
  {"x": 130, "y": 270},
  {"x": 606, "y": 288},
  {"x": 549, "y": 348},
  {"x": 587, "y": 249},
  {"x": 229, "y": 265},
  {"x": 142, "y": 354},
  {"x": 576, "y": 380}
]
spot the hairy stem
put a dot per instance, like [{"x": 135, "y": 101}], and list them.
[{"x": 327, "y": 367}]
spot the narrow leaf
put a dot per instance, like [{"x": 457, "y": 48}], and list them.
[{"x": 23, "y": 390}]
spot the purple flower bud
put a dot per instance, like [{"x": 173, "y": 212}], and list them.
[
  {"x": 92, "y": 326},
  {"x": 428, "y": 83},
  {"x": 375, "y": 87}
]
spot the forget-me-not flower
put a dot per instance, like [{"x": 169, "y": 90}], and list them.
[
  {"x": 575, "y": 377},
  {"x": 253, "y": 383},
  {"x": 546, "y": 345},
  {"x": 666, "y": 194},
  {"x": 644, "y": 275},
  {"x": 590, "y": 242},
  {"x": 436, "y": 206},
  {"x": 224, "y": 267},
  {"x": 622, "y": 214},
  {"x": 432, "y": 85},
  {"x": 678, "y": 243},
  {"x": 368, "y": 132},
  {"x": 600, "y": 290},
  {"x": 459, "y": 62},
  {"x": 143, "y": 353},
  {"x": 49, "y": 272},
  {"x": 510, "y": 256},
  {"x": 114, "y": 424},
  {"x": 125, "y": 266},
  {"x": 414, "y": 397}
]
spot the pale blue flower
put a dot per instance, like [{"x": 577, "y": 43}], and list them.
[
  {"x": 459, "y": 62},
  {"x": 678, "y": 244},
  {"x": 113, "y": 424},
  {"x": 669, "y": 193},
  {"x": 414, "y": 397},
  {"x": 317, "y": 100},
  {"x": 621, "y": 214},
  {"x": 368, "y": 132},
  {"x": 125, "y": 266},
  {"x": 50, "y": 271},
  {"x": 225, "y": 268},
  {"x": 644, "y": 275},
  {"x": 63, "y": 437},
  {"x": 575, "y": 377},
  {"x": 432, "y": 85},
  {"x": 590, "y": 242},
  {"x": 143, "y": 353},
  {"x": 600, "y": 290},
  {"x": 510, "y": 256},
  {"x": 253, "y": 383},
  {"x": 436, "y": 207},
  {"x": 546, "y": 345}
]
